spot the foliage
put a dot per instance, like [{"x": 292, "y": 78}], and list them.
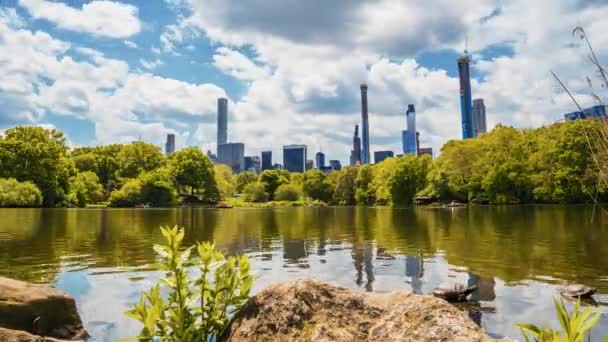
[
  {"x": 244, "y": 178},
  {"x": 157, "y": 189},
  {"x": 296, "y": 178},
  {"x": 195, "y": 309},
  {"x": 287, "y": 192},
  {"x": 36, "y": 154},
  {"x": 85, "y": 189},
  {"x": 364, "y": 191},
  {"x": 255, "y": 192},
  {"x": 317, "y": 186},
  {"x": 272, "y": 179},
  {"x": 408, "y": 178},
  {"x": 344, "y": 193},
  {"x": 16, "y": 194},
  {"x": 129, "y": 195},
  {"x": 138, "y": 157},
  {"x": 191, "y": 167},
  {"x": 574, "y": 326},
  {"x": 103, "y": 160},
  {"x": 224, "y": 180}
]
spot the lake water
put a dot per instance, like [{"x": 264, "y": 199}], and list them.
[{"x": 517, "y": 255}]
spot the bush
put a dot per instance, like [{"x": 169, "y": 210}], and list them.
[
  {"x": 287, "y": 192},
  {"x": 85, "y": 189},
  {"x": 255, "y": 192},
  {"x": 19, "y": 194},
  {"x": 129, "y": 195},
  {"x": 196, "y": 309},
  {"x": 157, "y": 190}
]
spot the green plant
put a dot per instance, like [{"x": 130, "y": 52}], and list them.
[
  {"x": 287, "y": 192},
  {"x": 195, "y": 309},
  {"x": 254, "y": 192},
  {"x": 574, "y": 326}
]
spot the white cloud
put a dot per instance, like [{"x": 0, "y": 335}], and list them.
[
  {"x": 238, "y": 65},
  {"x": 150, "y": 65},
  {"x": 9, "y": 17},
  {"x": 131, "y": 44},
  {"x": 98, "y": 17}
]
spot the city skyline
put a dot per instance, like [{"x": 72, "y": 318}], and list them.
[{"x": 157, "y": 68}]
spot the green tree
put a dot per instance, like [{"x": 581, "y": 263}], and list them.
[
  {"x": 255, "y": 192},
  {"x": 139, "y": 157},
  {"x": 38, "y": 155},
  {"x": 103, "y": 160},
  {"x": 272, "y": 179},
  {"x": 317, "y": 186},
  {"x": 287, "y": 192},
  {"x": 408, "y": 178},
  {"x": 244, "y": 178},
  {"x": 157, "y": 189},
  {"x": 14, "y": 194},
  {"x": 129, "y": 195},
  {"x": 224, "y": 180},
  {"x": 190, "y": 167},
  {"x": 344, "y": 193},
  {"x": 85, "y": 189},
  {"x": 364, "y": 191}
]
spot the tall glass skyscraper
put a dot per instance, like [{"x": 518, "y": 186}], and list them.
[
  {"x": 266, "y": 160},
  {"x": 294, "y": 158},
  {"x": 409, "y": 137},
  {"x": 479, "y": 117},
  {"x": 320, "y": 160},
  {"x": 355, "y": 153},
  {"x": 466, "y": 102},
  {"x": 170, "y": 144},
  {"x": 233, "y": 155},
  {"x": 222, "y": 121},
  {"x": 365, "y": 154}
]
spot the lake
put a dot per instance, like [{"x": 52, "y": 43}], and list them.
[{"x": 517, "y": 255}]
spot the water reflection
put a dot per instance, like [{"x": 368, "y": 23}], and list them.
[{"x": 516, "y": 255}]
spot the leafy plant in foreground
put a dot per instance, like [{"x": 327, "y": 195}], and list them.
[
  {"x": 195, "y": 309},
  {"x": 574, "y": 326}
]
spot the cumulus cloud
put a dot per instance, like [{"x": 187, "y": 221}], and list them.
[
  {"x": 238, "y": 65},
  {"x": 150, "y": 65},
  {"x": 99, "y": 17}
]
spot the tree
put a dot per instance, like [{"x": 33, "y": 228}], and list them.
[
  {"x": 345, "y": 185},
  {"x": 191, "y": 167},
  {"x": 255, "y": 192},
  {"x": 85, "y": 189},
  {"x": 14, "y": 194},
  {"x": 224, "y": 180},
  {"x": 36, "y": 154},
  {"x": 287, "y": 192},
  {"x": 272, "y": 179},
  {"x": 157, "y": 189},
  {"x": 138, "y": 157},
  {"x": 129, "y": 195},
  {"x": 364, "y": 191},
  {"x": 317, "y": 186},
  {"x": 242, "y": 179},
  {"x": 103, "y": 160},
  {"x": 409, "y": 178}
]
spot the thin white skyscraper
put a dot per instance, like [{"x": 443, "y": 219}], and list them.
[{"x": 479, "y": 117}]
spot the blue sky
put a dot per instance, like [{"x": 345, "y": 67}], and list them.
[{"x": 105, "y": 71}]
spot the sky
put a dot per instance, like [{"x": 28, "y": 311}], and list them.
[{"x": 108, "y": 71}]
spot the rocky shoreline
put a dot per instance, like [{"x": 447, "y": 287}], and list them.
[{"x": 301, "y": 310}]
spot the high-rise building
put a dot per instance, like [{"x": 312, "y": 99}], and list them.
[
  {"x": 310, "y": 164},
  {"x": 222, "y": 121},
  {"x": 355, "y": 153},
  {"x": 466, "y": 104},
  {"x": 170, "y": 144},
  {"x": 379, "y": 156},
  {"x": 479, "y": 117},
  {"x": 211, "y": 156},
  {"x": 233, "y": 155},
  {"x": 253, "y": 164},
  {"x": 320, "y": 160},
  {"x": 409, "y": 138},
  {"x": 425, "y": 150},
  {"x": 599, "y": 111},
  {"x": 294, "y": 158},
  {"x": 266, "y": 160},
  {"x": 365, "y": 159},
  {"x": 335, "y": 165}
]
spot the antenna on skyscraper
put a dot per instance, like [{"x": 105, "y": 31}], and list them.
[{"x": 466, "y": 45}]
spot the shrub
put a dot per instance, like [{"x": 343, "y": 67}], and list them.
[
  {"x": 287, "y": 192},
  {"x": 157, "y": 190},
  {"x": 85, "y": 189},
  {"x": 129, "y": 195},
  {"x": 195, "y": 309},
  {"x": 255, "y": 192},
  {"x": 19, "y": 194}
]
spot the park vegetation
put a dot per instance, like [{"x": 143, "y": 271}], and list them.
[{"x": 551, "y": 164}]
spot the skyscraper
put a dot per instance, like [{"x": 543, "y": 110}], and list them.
[
  {"x": 365, "y": 126},
  {"x": 479, "y": 117},
  {"x": 233, "y": 155},
  {"x": 266, "y": 160},
  {"x": 253, "y": 164},
  {"x": 310, "y": 164},
  {"x": 409, "y": 138},
  {"x": 294, "y": 158},
  {"x": 222, "y": 121},
  {"x": 355, "y": 153},
  {"x": 379, "y": 156},
  {"x": 466, "y": 105},
  {"x": 335, "y": 165},
  {"x": 320, "y": 160},
  {"x": 170, "y": 144}
]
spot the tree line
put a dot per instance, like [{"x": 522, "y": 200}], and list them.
[{"x": 551, "y": 164}]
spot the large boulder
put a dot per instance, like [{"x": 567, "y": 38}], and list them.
[
  {"x": 38, "y": 310},
  {"x": 308, "y": 310}
]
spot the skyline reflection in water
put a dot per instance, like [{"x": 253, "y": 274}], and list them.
[{"x": 516, "y": 255}]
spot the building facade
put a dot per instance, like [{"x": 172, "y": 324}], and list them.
[
  {"x": 294, "y": 158},
  {"x": 253, "y": 164},
  {"x": 266, "y": 160},
  {"x": 222, "y": 122},
  {"x": 425, "y": 151},
  {"x": 365, "y": 154},
  {"x": 233, "y": 155},
  {"x": 599, "y": 111},
  {"x": 379, "y": 156},
  {"x": 479, "y": 117},
  {"x": 310, "y": 164},
  {"x": 320, "y": 160},
  {"x": 335, "y": 165},
  {"x": 355, "y": 153},
  {"x": 409, "y": 138},
  {"x": 466, "y": 102},
  {"x": 170, "y": 144}
]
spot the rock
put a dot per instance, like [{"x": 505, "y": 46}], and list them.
[
  {"x": 38, "y": 310},
  {"x": 308, "y": 310},
  {"x": 7, "y": 335}
]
